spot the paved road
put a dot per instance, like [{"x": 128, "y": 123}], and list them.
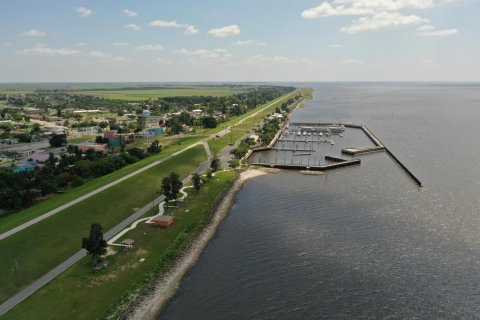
[{"x": 52, "y": 274}]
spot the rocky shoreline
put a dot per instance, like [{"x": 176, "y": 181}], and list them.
[{"x": 151, "y": 303}]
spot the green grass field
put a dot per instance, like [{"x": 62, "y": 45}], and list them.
[
  {"x": 143, "y": 94},
  {"x": 13, "y": 220},
  {"x": 80, "y": 294},
  {"x": 44, "y": 245}
]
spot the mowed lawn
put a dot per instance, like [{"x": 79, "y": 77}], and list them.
[
  {"x": 13, "y": 220},
  {"x": 80, "y": 294},
  {"x": 32, "y": 252},
  {"x": 143, "y": 94}
]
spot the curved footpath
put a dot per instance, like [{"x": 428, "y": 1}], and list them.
[{"x": 150, "y": 305}]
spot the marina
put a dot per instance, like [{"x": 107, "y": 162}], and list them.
[{"x": 311, "y": 146}]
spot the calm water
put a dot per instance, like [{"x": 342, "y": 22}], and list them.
[{"x": 362, "y": 242}]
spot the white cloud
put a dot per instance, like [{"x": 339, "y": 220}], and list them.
[
  {"x": 190, "y": 30},
  {"x": 203, "y": 54},
  {"x": 43, "y": 50},
  {"x": 351, "y": 62},
  {"x": 335, "y": 46},
  {"x": 120, "y": 44},
  {"x": 129, "y": 13},
  {"x": 149, "y": 47},
  {"x": 363, "y": 7},
  {"x": 438, "y": 33},
  {"x": 34, "y": 33},
  {"x": 133, "y": 26},
  {"x": 81, "y": 44},
  {"x": 247, "y": 43},
  {"x": 225, "y": 31},
  {"x": 382, "y": 20},
  {"x": 100, "y": 54},
  {"x": 261, "y": 60},
  {"x": 327, "y": 10},
  {"x": 6, "y": 44},
  {"x": 84, "y": 12},
  {"x": 425, "y": 28},
  {"x": 161, "y": 60},
  {"x": 166, "y": 24}
]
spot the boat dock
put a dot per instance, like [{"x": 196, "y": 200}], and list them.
[{"x": 323, "y": 167}]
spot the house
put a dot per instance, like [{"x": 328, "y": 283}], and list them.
[
  {"x": 41, "y": 157},
  {"x": 163, "y": 221},
  {"x": 97, "y": 147},
  {"x": 25, "y": 166}
]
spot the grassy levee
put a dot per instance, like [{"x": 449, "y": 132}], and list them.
[
  {"x": 248, "y": 125},
  {"x": 80, "y": 294},
  {"x": 30, "y": 253},
  {"x": 15, "y": 219}
]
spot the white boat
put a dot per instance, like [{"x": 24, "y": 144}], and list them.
[
  {"x": 331, "y": 142},
  {"x": 321, "y": 134},
  {"x": 304, "y": 133},
  {"x": 299, "y": 132}
]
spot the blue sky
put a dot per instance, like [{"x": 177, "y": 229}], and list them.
[{"x": 249, "y": 40}]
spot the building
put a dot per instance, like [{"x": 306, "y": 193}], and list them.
[
  {"x": 127, "y": 244},
  {"x": 25, "y": 166},
  {"x": 97, "y": 147},
  {"x": 163, "y": 221},
  {"x": 152, "y": 121},
  {"x": 41, "y": 157}
]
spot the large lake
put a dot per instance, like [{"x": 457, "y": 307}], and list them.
[{"x": 361, "y": 242}]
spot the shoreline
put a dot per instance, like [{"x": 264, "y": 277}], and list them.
[{"x": 152, "y": 303}]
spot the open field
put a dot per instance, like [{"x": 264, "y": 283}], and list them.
[
  {"x": 30, "y": 253},
  {"x": 80, "y": 294},
  {"x": 133, "y": 92},
  {"x": 144, "y": 94},
  {"x": 13, "y": 220}
]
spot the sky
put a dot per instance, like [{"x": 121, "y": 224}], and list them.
[{"x": 248, "y": 40}]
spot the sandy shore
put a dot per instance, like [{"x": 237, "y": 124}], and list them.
[{"x": 150, "y": 305}]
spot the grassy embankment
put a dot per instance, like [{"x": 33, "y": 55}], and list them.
[
  {"x": 32, "y": 252},
  {"x": 80, "y": 294},
  {"x": 15, "y": 219},
  {"x": 248, "y": 125}
]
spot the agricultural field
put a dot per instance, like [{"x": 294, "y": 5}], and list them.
[
  {"x": 81, "y": 294},
  {"x": 131, "y": 93},
  {"x": 144, "y": 94},
  {"x": 31, "y": 253}
]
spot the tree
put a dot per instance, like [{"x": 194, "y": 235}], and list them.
[
  {"x": 58, "y": 140},
  {"x": 154, "y": 148},
  {"x": 94, "y": 243},
  {"x": 215, "y": 164},
  {"x": 197, "y": 181},
  {"x": 209, "y": 122},
  {"x": 167, "y": 189},
  {"x": 136, "y": 152},
  {"x": 171, "y": 186}
]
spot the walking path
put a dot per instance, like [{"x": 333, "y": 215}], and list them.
[{"x": 52, "y": 274}]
